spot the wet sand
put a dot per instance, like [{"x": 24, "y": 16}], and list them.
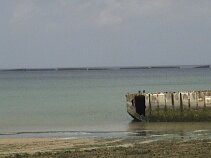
[{"x": 103, "y": 147}]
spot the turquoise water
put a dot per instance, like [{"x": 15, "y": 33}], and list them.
[{"x": 35, "y": 101}]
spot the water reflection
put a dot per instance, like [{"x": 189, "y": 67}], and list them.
[{"x": 170, "y": 130}]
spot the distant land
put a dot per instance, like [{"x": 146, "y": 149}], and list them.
[{"x": 109, "y": 68}]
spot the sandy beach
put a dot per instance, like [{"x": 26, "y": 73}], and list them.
[{"x": 104, "y": 147}]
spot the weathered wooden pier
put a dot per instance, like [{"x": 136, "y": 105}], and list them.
[{"x": 170, "y": 106}]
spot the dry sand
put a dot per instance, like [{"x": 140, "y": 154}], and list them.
[{"x": 95, "y": 147}]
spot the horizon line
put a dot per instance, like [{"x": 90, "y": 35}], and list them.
[{"x": 108, "y": 68}]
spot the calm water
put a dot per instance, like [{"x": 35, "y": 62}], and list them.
[{"x": 85, "y": 100}]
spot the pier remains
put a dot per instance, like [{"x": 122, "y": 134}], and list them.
[{"x": 170, "y": 106}]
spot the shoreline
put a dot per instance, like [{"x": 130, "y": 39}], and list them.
[
  {"x": 140, "y": 130},
  {"x": 103, "y": 147}
]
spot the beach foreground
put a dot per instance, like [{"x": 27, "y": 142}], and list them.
[{"x": 102, "y": 147}]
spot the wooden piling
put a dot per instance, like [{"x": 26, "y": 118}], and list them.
[
  {"x": 204, "y": 100},
  {"x": 150, "y": 106},
  {"x": 181, "y": 104},
  {"x": 172, "y": 99},
  {"x": 197, "y": 100}
]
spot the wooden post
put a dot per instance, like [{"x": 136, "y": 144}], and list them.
[
  {"x": 197, "y": 100},
  {"x": 157, "y": 100},
  {"x": 189, "y": 101},
  {"x": 150, "y": 106},
  {"x": 204, "y": 100},
  {"x": 165, "y": 108},
  {"x": 181, "y": 104},
  {"x": 172, "y": 100},
  {"x": 158, "y": 108}
]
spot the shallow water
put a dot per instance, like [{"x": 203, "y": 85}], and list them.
[
  {"x": 166, "y": 130},
  {"x": 135, "y": 130},
  {"x": 90, "y": 101}
]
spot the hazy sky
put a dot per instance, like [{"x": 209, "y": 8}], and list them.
[{"x": 77, "y": 33}]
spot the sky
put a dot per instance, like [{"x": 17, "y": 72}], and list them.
[{"x": 90, "y": 33}]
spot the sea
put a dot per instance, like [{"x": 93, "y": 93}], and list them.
[{"x": 91, "y": 103}]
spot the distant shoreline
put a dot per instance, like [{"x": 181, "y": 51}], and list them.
[{"x": 108, "y": 68}]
